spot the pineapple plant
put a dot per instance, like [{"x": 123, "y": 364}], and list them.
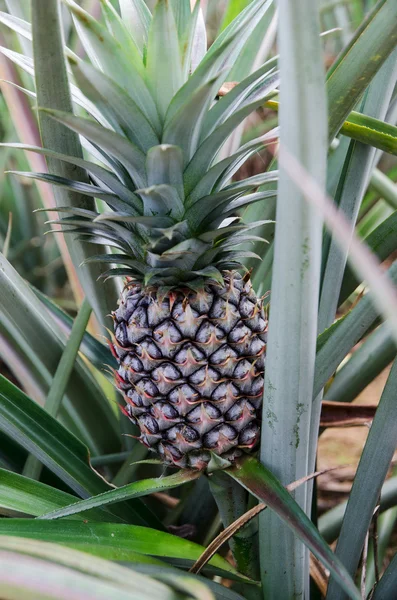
[{"x": 189, "y": 331}]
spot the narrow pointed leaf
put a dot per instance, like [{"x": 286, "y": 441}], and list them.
[
  {"x": 164, "y": 164},
  {"x": 127, "y": 153},
  {"x": 38, "y": 342},
  {"x": 208, "y": 150},
  {"x": 371, "y": 473},
  {"x": 36, "y": 569},
  {"x": 68, "y": 184},
  {"x": 164, "y": 63},
  {"x": 136, "y": 489},
  {"x": 344, "y": 336},
  {"x": 115, "y": 104},
  {"x": 106, "y": 53},
  {"x": 228, "y": 104},
  {"x": 364, "y": 365},
  {"x": 113, "y": 541},
  {"x": 96, "y": 352},
  {"x": 137, "y": 17},
  {"x": 184, "y": 128},
  {"x": 222, "y": 52},
  {"x": 360, "y": 61},
  {"x": 383, "y": 242},
  {"x": 59, "y": 450},
  {"x": 260, "y": 482},
  {"x": 49, "y": 66},
  {"x": 104, "y": 175},
  {"x": 287, "y": 402},
  {"x": 20, "y": 494}
]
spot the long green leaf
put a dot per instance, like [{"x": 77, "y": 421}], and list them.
[
  {"x": 364, "y": 129},
  {"x": 55, "y": 447},
  {"x": 185, "y": 126},
  {"x": 164, "y": 62},
  {"x": 364, "y": 365},
  {"x": 260, "y": 482},
  {"x": 33, "y": 569},
  {"x": 113, "y": 541},
  {"x": 360, "y": 61},
  {"x": 114, "y": 103},
  {"x": 53, "y": 92},
  {"x": 345, "y": 336},
  {"x": 137, "y": 17},
  {"x": 37, "y": 344},
  {"x": 131, "y": 490},
  {"x": 350, "y": 192},
  {"x": 296, "y": 274},
  {"x": 209, "y": 148},
  {"x": 352, "y": 186},
  {"x": 330, "y": 523},
  {"x": 96, "y": 352},
  {"x": 386, "y": 588},
  {"x": 386, "y": 526},
  {"x": 173, "y": 575},
  {"x": 61, "y": 378},
  {"x": 20, "y": 494},
  {"x": 383, "y": 242},
  {"x": 384, "y": 186},
  {"x": 124, "y": 65},
  {"x": 98, "y": 172},
  {"x": 371, "y": 473},
  {"x": 371, "y": 131},
  {"x": 118, "y": 146}
]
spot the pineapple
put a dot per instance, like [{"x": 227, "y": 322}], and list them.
[
  {"x": 189, "y": 331},
  {"x": 191, "y": 368}
]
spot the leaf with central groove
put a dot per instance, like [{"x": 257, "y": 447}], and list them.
[
  {"x": 112, "y": 58},
  {"x": 371, "y": 473},
  {"x": 114, "y": 541},
  {"x": 115, "y": 104},
  {"x": 351, "y": 189},
  {"x": 260, "y": 482},
  {"x": 118, "y": 146},
  {"x": 163, "y": 62},
  {"x": 291, "y": 347},
  {"x": 136, "y": 489},
  {"x": 137, "y": 17}
]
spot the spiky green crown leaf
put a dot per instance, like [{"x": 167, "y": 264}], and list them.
[{"x": 157, "y": 125}]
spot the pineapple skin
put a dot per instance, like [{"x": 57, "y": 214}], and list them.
[{"x": 191, "y": 367}]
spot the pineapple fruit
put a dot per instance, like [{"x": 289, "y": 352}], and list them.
[
  {"x": 189, "y": 332},
  {"x": 191, "y": 368}
]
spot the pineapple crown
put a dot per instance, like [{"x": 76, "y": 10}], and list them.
[{"x": 157, "y": 125}]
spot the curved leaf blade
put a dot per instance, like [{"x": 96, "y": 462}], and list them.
[
  {"x": 260, "y": 482},
  {"x": 136, "y": 489},
  {"x": 59, "y": 450},
  {"x": 114, "y": 541}
]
